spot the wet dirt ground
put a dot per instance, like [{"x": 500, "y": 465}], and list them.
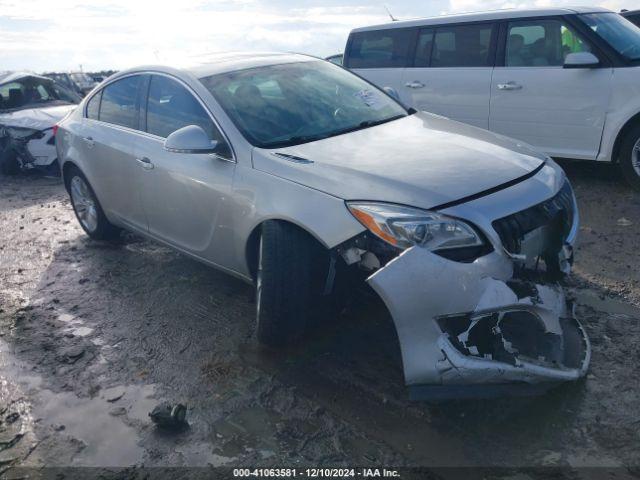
[{"x": 93, "y": 335}]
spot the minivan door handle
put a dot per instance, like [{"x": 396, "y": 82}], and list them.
[
  {"x": 89, "y": 141},
  {"x": 145, "y": 163},
  {"x": 509, "y": 86},
  {"x": 414, "y": 84}
]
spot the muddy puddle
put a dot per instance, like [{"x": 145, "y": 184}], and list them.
[{"x": 101, "y": 428}]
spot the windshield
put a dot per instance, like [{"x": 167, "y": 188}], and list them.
[
  {"x": 31, "y": 92},
  {"x": 617, "y": 31},
  {"x": 290, "y": 104}
]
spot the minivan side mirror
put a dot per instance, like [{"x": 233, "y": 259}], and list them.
[
  {"x": 190, "y": 139},
  {"x": 581, "y": 60},
  {"x": 392, "y": 92}
]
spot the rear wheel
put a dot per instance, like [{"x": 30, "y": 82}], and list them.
[
  {"x": 87, "y": 208},
  {"x": 630, "y": 157},
  {"x": 289, "y": 283}
]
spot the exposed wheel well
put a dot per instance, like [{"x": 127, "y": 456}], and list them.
[
  {"x": 253, "y": 245},
  {"x": 621, "y": 134},
  {"x": 67, "y": 167}
]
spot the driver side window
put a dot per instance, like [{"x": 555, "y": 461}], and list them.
[
  {"x": 170, "y": 106},
  {"x": 541, "y": 43}
]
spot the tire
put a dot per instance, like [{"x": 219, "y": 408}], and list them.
[
  {"x": 630, "y": 157},
  {"x": 8, "y": 162},
  {"x": 87, "y": 207},
  {"x": 289, "y": 283}
]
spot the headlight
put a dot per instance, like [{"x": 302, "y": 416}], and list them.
[{"x": 404, "y": 227}]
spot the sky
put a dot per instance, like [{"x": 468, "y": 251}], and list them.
[{"x": 66, "y": 35}]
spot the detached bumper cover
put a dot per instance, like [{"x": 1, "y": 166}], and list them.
[{"x": 472, "y": 324}]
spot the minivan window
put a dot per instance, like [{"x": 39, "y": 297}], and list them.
[
  {"x": 386, "y": 48},
  {"x": 621, "y": 34},
  {"x": 541, "y": 43},
  {"x": 294, "y": 103},
  {"x": 424, "y": 48},
  {"x": 119, "y": 102},
  {"x": 93, "y": 107},
  {"x": 462, "y": 46}
]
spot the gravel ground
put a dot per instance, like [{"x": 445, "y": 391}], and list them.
[{"x": 94, "y": 335}]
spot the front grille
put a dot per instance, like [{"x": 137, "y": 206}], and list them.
[{"x": 558, "y": 212}]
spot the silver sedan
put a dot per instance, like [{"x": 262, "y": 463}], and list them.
[{"x": 293, "y": 174}]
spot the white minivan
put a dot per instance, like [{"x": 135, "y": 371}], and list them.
[{"x": 566, "y": 81}]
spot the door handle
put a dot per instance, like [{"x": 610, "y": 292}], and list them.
[
  {"x": 145, "y": 163},
  {"x": 414, "y": 84},
  {"x": 89, "y": 141},
  {"x": 509, "y": 86}
]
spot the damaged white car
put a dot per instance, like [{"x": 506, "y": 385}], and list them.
[
  {"x": 292, "y": 173},
  {"x": 30, "y": 106}
]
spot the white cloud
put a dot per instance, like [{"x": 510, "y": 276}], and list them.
[{"x": 42, "y": 35}]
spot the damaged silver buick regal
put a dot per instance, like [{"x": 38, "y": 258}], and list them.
[{"x": 297, "y": 175}]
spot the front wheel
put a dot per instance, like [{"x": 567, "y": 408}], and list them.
[
  {"x": 8, "y": 161},
  {"x": 289, "y": 283},
  {"x": 630, "y": 157},
  {"x": 87, "y": 208}
]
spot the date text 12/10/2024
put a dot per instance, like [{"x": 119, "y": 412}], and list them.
[{"x": 315, "y": 473}]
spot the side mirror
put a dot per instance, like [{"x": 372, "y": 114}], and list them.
[
  {"x": 581, "y": 60},
  {"x": 190, "y": 139}
]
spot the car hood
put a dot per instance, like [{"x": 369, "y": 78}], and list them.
[
  {"x": 39, "y": 118},
  {"x": 423, "y": 160}
]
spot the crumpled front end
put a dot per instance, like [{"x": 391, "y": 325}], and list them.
[
  {"x": 30, "y": 148},
  {"x": 494, "y": 324},
  {"x": 473, "y": 325}
]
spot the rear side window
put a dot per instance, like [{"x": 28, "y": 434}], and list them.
[
  {"x": 119, "y": 102},
  {"x": 93, "y": 107},
  {"x": 380, "y": 48},
  {"x": 170, "y": 106},
  {"x": 462, "y": 46}
]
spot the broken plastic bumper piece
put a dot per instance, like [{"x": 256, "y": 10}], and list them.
[{"x": 472, "y": 330}]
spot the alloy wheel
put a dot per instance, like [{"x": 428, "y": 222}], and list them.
[
  {"x": 84, "y": 204},
  {"x": 635, "y": 157}
]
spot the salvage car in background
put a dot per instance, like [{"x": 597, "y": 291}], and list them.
[
  {"x": 567, "y": 81},
  {"x": 78, "y": 82},
  {"x": 337, "y": 58},
  {"x": 633, "y": 16},
  {"x": 66, "y": 81},
  {"x": 84, "y": 82},
  {"x": 295, "y": 174},
  {"x": 30, "y": 106}
]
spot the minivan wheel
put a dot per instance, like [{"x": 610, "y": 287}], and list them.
[
  {"x": 87, "y": 208},
  {"x": 630, "y": 157},
  {"x": 288, "y": 283}
]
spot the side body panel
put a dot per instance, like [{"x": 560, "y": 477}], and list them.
[
  {"x": 624, "y": 104},
  {"x": 560, "y": 111},
  {"x": 184, "y": 196},
  {"x": 386, "y": 77},
  {"x": 459, "y": 93},
  {"x": 105, "y": 154}
]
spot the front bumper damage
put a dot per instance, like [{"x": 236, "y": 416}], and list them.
[{"x": 473, "y": 330}]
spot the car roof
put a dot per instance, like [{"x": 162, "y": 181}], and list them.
[
  {"x": 8, "y": 77},
  {"x": 215, "y": 63},
  {"x": 506, "y": 13},
  {"x": 629, "y": 13}
]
